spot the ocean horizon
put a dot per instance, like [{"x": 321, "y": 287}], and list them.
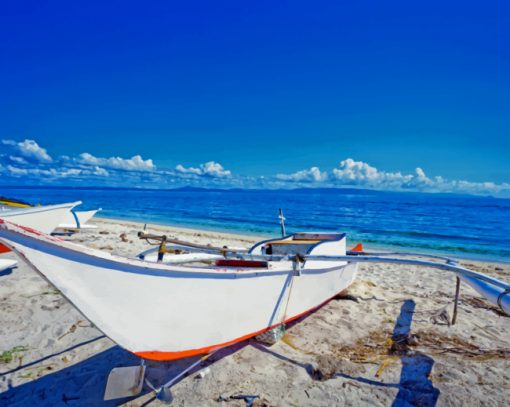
[{"x": 463, "y": 226}]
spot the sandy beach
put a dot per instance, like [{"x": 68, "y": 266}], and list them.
[{"x": 341, "y": 354}]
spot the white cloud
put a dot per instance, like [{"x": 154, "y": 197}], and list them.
[
  {"x": 29, "y": 149},
  {"x": 70, "y": 172},
  {"x": 100, "y": 171},
  {"x": 29, "y": 162},
  {"x": 135, "y": 163},
  {"x": 50, "y": 173},
  {"x": 313, "y": 174},
  {"x": 211, "y": 169},
  {"x": 26, "y": 162},
  {"x": 18, "y": 160},
  {"x": 361, "y": 174},
  {"x": 17, "y": 171},
  {"x": 190, "y": 170},
  {"x": 352, "y": 172}
]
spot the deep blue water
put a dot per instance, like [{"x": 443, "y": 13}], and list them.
[{"x": 463, "y": 226}]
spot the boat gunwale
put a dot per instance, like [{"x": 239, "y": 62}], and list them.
[
  {"x": 35, "y": 209},
  {"x": 97, "y": 258}
]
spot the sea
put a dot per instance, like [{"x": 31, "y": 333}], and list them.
[{"x": 460, "y": 226}]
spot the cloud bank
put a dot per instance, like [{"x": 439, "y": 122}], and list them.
[
  {"x": 135, "y": 163},
  {"x": 28, "y": 149},
  {"x": 360, "y": 174},
  {"x": 27, "y": 163},
  {"x": 314, "y": 174},
  {"x": 210, "y": 169}
]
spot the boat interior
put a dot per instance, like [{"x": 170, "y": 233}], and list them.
[{"x": 304, "y": 243}]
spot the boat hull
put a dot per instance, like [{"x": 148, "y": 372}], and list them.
[{"x": 165, "y": 312}]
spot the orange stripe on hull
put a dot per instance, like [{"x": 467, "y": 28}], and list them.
[
  {"x": 163, "y": 356},
  {"x": 4, "y": 249}
]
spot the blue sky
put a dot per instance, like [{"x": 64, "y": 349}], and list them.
[{"x": 274, "y": 94}]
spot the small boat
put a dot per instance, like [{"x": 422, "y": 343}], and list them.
[
  {"x": 6, "y": 264},
  {"x": 42, "y": 218},
  {"x": 78, "y": 220},
  {"x": 45, "y": 219},
  {"x": 72, "y": 219},
  {"x": 6, "y": 203},
  {"x": 170, "y": 311}
]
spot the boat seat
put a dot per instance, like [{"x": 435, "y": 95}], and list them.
[
  {"x": 241, "y": 263},
  {"x": 290, "y": 247},
  {"x": 302, "y": 241},
  {"x": 316, "y": 236}
]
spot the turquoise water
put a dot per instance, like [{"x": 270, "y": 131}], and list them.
[{"x": 462, "y": 226}]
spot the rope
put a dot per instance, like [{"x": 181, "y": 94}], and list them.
[{"x": 297, "y": 263}]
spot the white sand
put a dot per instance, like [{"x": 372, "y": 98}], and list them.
[{"x": 339, "y": 355}]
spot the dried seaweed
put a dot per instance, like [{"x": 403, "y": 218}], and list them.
[
  {"x": 381, "y": 344},
  {"x": 445, "y": 344},
  {"x": 477, "y": 302}
]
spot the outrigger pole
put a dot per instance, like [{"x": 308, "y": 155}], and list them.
[{"x": 495, "y": 291}]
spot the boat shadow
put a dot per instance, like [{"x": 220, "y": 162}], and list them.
[
  {"x": 414, "y": 387},
  {"x": 84, "y": 383},
  {"x": 81, "y": 384}
]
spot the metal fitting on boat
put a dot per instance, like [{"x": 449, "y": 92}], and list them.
[{"x": 296, "y": 264}]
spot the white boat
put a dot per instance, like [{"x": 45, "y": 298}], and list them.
[
  {"x": 166, "y": 312},
  {"x": 9, "y": 203},
  {"x": 45, "y": 219},
  {"x": 6, "y": 264},
  {"x": 169, "y": 311},
  {"x": 78, "y": 220}
]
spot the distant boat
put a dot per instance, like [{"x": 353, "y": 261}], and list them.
[
  {"x": 6, "y": 264},
  {"x": 165, "y": 312},
  {"x": 73, "y": 219},
  {"x": 13, "y": 203}
]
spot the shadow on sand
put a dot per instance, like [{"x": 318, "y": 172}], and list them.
[
  {"x": 414, "y": 387},
  {"x": 8, "y": 271},
  {"x": 83, "y": 384}
]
